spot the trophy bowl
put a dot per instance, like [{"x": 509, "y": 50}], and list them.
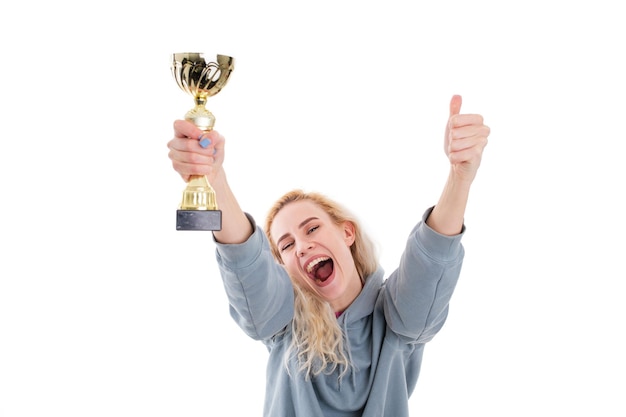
[{"x": 201, "y": 78}]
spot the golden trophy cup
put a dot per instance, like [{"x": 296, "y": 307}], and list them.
[{"x": 200, "y": 78}]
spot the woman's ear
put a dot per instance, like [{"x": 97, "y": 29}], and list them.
[{"x": 349, "y": 233}]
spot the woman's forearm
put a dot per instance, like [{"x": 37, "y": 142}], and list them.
[
  {"x": 449, "y": 213},
  {"x": 236, "y": 227}
]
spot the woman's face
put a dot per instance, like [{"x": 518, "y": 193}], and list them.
[{"x": 316, "y": 252}]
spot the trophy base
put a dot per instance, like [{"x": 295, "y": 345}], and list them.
[{"x": 198, "y": 220}]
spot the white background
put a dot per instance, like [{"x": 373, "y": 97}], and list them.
[{"x": 106, "y": 310}]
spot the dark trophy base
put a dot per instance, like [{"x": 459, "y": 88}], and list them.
[{"x": 198, "y": 220}]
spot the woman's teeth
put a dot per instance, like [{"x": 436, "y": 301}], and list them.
[{"x": 310, "y": 266}]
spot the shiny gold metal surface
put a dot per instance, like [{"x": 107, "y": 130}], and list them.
[{"x": 202, "y": 78}]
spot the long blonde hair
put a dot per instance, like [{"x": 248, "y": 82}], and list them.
[{"x": 318, "y": 340}]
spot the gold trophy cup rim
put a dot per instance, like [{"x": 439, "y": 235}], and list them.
[{"x": 223, "y": 61}]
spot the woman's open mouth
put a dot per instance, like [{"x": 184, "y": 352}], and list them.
[{"x": 320, "y": 269}]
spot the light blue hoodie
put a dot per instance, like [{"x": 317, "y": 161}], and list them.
[{"x": 385, "y": 327}]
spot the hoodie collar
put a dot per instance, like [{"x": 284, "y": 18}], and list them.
[{"x": 363, "y": 304}]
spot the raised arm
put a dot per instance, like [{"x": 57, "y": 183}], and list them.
[
  {"x": 464, "y": 142},
  {"x": 194, "y": 152}
]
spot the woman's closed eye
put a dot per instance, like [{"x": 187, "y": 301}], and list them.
[{"x": 289, "y": 244}]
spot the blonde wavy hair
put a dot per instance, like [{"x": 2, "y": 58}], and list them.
[{"x": 318, "y": 340}]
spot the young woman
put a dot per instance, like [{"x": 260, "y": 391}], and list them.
[{"x": 342, "y": 339}]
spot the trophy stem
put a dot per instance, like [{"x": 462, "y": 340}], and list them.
[
  {"x": 201, "y": 116},
  {"x": 200, "y": 101}
]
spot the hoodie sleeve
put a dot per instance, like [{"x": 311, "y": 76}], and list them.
[
  {"x": 417, "y": 294},
  {"x": 259, "y": 290}
]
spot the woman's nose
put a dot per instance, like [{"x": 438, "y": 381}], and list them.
[{"x": 303, "y": 248}]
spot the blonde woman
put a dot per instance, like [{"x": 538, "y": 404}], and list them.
[{"x": 343, "y": 340}]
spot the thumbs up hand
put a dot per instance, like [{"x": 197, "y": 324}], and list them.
[{"x": 465, "y": 139}]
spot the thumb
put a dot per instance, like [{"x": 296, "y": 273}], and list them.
[{"x": 455, "y": 104}]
